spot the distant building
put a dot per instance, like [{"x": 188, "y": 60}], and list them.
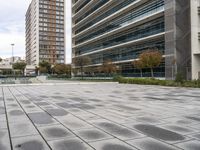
[
  {"x": 120, "y": 30},
  {"x": 45, "y": 38},
  {"x": 11, "y": 60}
]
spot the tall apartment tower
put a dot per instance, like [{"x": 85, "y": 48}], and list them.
[
  {"x": 120, "y": 30},
  {"x": 45, "y": 35}
]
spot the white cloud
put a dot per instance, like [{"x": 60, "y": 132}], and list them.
[{"x": 12, "y": 27}]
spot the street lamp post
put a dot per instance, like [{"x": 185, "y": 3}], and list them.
[
  {"x": 13, "y": 58},
  {"x": 12, "y": 52}
]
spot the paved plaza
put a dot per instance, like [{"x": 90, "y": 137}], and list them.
[{"x": 99, "y": 116}]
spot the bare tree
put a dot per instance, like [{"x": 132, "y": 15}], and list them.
[
  {"x": 138, "y": 65},
  {"x": 151, "y": 59},
  {"x": 108, "y": 67}
]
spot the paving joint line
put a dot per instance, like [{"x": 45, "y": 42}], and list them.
[
  {"x": 9, "y": 133},
  {"x": 61, "y": 123},
  {"x": 98, "y": 127},
  {"x": 29, "y": 118}
]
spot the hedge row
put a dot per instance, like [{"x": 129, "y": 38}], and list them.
[{"x": 152, "y": 81}]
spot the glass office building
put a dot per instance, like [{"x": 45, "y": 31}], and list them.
[
  {"x": 120, "y": 30},
  {"x": 45, "y": 38}
]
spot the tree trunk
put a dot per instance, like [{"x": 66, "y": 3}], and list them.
[
  {"x": 152, "y": 73},
  {"x": 141, "y": 73},
  {"x": 82, "y": 72}
]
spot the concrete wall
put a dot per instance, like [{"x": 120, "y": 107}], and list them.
[
  {"x": 195, "y": 42},
  {"x": 178, "y": 33}
]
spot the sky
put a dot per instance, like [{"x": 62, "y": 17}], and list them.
[{"x": 12, "y": 28}]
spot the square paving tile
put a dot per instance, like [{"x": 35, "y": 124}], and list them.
[
  {"x": 2, "y": 118},
  {"x": 4, "y": 140},
  {"x": 3, "y": 125},
  {"x": 111, "y": 144},
  {"x": 74, "y": 123},
  {"x": 69, "y": 144},
  {"x": 22, "y": 129},
  {"x": 190, "y": 145},
  {"x": 93, "y": 134},
  {"x": 55, "y": 132},
  {"x": 118, "y": 131},
  {"x": 41, "y": 118},
  {"x": 179, "y": 129},
  {"x": 197, "y": 136},
  {"x": 100, "y": 116},
  {"x": 151, "y": 144},
  {"x": 29, "y": 143}
]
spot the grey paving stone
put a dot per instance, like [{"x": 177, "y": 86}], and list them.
[
  {"x": 74, "y": 123},
  {"x": 57, "y": 112},
  {"x": 112, "y": 108},
  {"x": 148, "y": 120},
  {"x": 69, "y": 144},
  {"x": 4, "y": 140},
  {"x": 151, "y": 144},
  {"x": 196, "y": 127},
  {"x": 195, "y": 118},
  {"x": 2, "y": 110},
  {"x": 128, "y": 108},
  {"x": 42, "y": 103},
  {"x": 12, "y": 105},
  {"x": 118, "y": 131},
  {"x": 16, "y": 115},
  {"x": 93, "y": 134},
  {"x": 197, "y": 136},
  {"x": 190, "y": 145},
  {"x": 111, "y": 144},
  {"x": 64, "y": 105},
  {"x": 16, "y": 112},
  {"x": 179, "y": 129},
  {"x": 55, "y": 132},
  {"x": 3, "y": 125},
  {"x": 41, "y": 118},
  {"x": 88, "y": 117},
  {"x": 32, "y": 109},
  {"x": 20, "y": 129},
  {"x": 29, "y": 143},
  {"x": 29, "y": 106},
  {"x": 159, "y": 133},
  {"x": 2, "y": 118},
  {"x": 25, "y": 102},
  {"x": 180, "y": 121}
]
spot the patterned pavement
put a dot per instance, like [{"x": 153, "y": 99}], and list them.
[{"x": 99, "y": 116}]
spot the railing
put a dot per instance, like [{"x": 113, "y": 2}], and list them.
[{"x": 14, "y": 80}]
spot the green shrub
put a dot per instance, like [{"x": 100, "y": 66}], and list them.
[
  {"x": 145, "y": 81},
  {"x": 179, "y": 78},
  {"x": 152, "y": 81},
  {"x": 117, "y": 78}
]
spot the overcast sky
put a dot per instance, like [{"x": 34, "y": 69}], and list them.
[{"x": 12, "y": 27}]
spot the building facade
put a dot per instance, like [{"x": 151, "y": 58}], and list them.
[
  {"x": 121, "y": 30},
  {"x": 11, "y": 60},
  {"x": 45, "y": 34}
]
